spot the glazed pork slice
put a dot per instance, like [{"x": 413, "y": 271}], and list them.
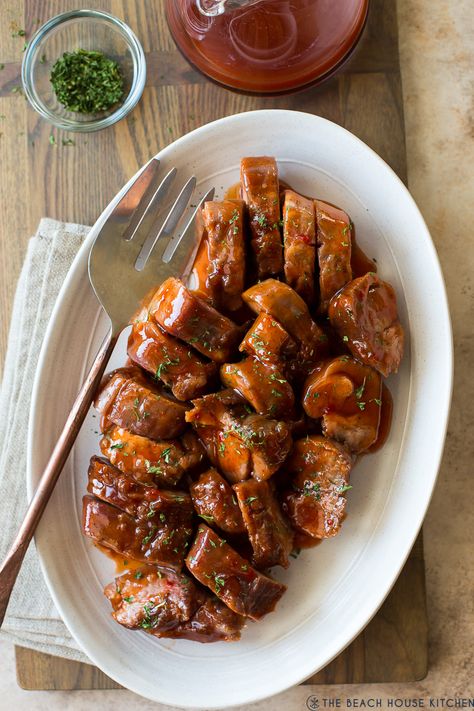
[
  {"x": 154, "y": 599},
  {"x": 320, "y": 472},
  {"x": 364, "y": 313},
  {"x": 334, "y": 238},
  {"x": 172, "y": 510},
  {"x": 288, "y": 308},
  {"x": 166, "y": 604},
  {"x": 215, "y": 502},
  {"x": 144, "y": 540},
  {"x": 270, "y": 534},
  {"x": 128, "y": 400},
  {"x": 268, "y": 340},
  {"x": 226, "y": 452},
  {"x": 213, "y": 417},
  {"x": 149, "y": 461},
  {"x": 183, "y": 314},
  {"x": 299, "y": 240},
  {"x": 170, "y": 361},
  {"x": 347, "y": 395},
  {"x": 240, "y": 442},
  {"x": 242, "y": 588},
  {"x": 212, "y": 622},
  {"x": 269, "y": 442},
  {"x": 262, "y": 384},
  {"x": 223, "y": 284},
  {"x": 259, "y": 182}
]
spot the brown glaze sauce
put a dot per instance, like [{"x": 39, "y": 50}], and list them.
[
  {"x": 385, "y": 419},
  {"x": 303, "y": 540},
  {"x": 233, "y": 193},
  {"x": 360, "y": 262},
  {"x": 122, "y": 565},
  {"x": 271, "y": 47}
]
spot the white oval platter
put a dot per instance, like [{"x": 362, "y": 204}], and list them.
[{"x": 334, "y": 589}]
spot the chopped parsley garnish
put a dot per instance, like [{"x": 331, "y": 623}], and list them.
[
  {"x": 235, "y": 216},
  {"x": 118, "y": 445},
  {"x": 312, "y": 489},
  {"x": 152, "y": 469},
  {"x": 166, "y": 454},
  {"x": 148, "y": 538},
  {"x": 138, "y": 575},
  {"x": 129, "y": 599},
  {"x": 250, "y": 499},
  {"x": 359, "y": 392},
  {"x": 146, "y": 623},
  {"x": 163, "y": 367},
  {"x": 275, "y": 377},
  {"x": 345, "y": 339},
  {"x": 219, "y": 583},
  {"x": 344, "y": 488},
  {"x": 210, "y": 519},
  {"x": 361, "y": 405},
  {"x": 377, "y": 401},
  {"x": 136, "y": 403},
  {"x": 86, "y": 81}
]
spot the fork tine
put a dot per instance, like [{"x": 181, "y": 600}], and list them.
[
  {"x": 179, "y": 238},
  {"x": 153, "y": 196},
  {"x": 169, "y": 225}
]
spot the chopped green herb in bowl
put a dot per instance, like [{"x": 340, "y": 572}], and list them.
[
  {"x": 87, "y": 81},
  {"x": 83, "y": 70}
]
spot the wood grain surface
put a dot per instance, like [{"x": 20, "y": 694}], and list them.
[{"x": 74, "y": 183}]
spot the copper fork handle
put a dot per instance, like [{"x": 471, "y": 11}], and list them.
[{"x": 11, "y": 565}]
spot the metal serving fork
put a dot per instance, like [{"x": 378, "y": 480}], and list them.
[{"x": 125, "y": 262}]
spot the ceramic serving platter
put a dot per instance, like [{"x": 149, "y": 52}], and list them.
[{"x": 334, "y": 589}]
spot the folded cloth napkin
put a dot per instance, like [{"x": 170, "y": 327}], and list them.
[{"x": 31, "y": 620}]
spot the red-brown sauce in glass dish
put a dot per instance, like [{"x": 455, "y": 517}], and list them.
[{"x": 272, "y": 46}]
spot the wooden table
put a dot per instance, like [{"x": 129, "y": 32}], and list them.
[{"x": 75, "y": 182}]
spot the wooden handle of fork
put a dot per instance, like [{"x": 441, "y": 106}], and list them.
[{"x": 11, "y": 565}]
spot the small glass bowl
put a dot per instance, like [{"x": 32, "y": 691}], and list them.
[{"x": 90, "y": 30}]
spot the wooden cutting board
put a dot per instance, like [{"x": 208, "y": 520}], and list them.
[{"x": 366, "y": 99}]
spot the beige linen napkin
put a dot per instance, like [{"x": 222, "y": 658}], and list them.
[{"x": 31, "y": 620}]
